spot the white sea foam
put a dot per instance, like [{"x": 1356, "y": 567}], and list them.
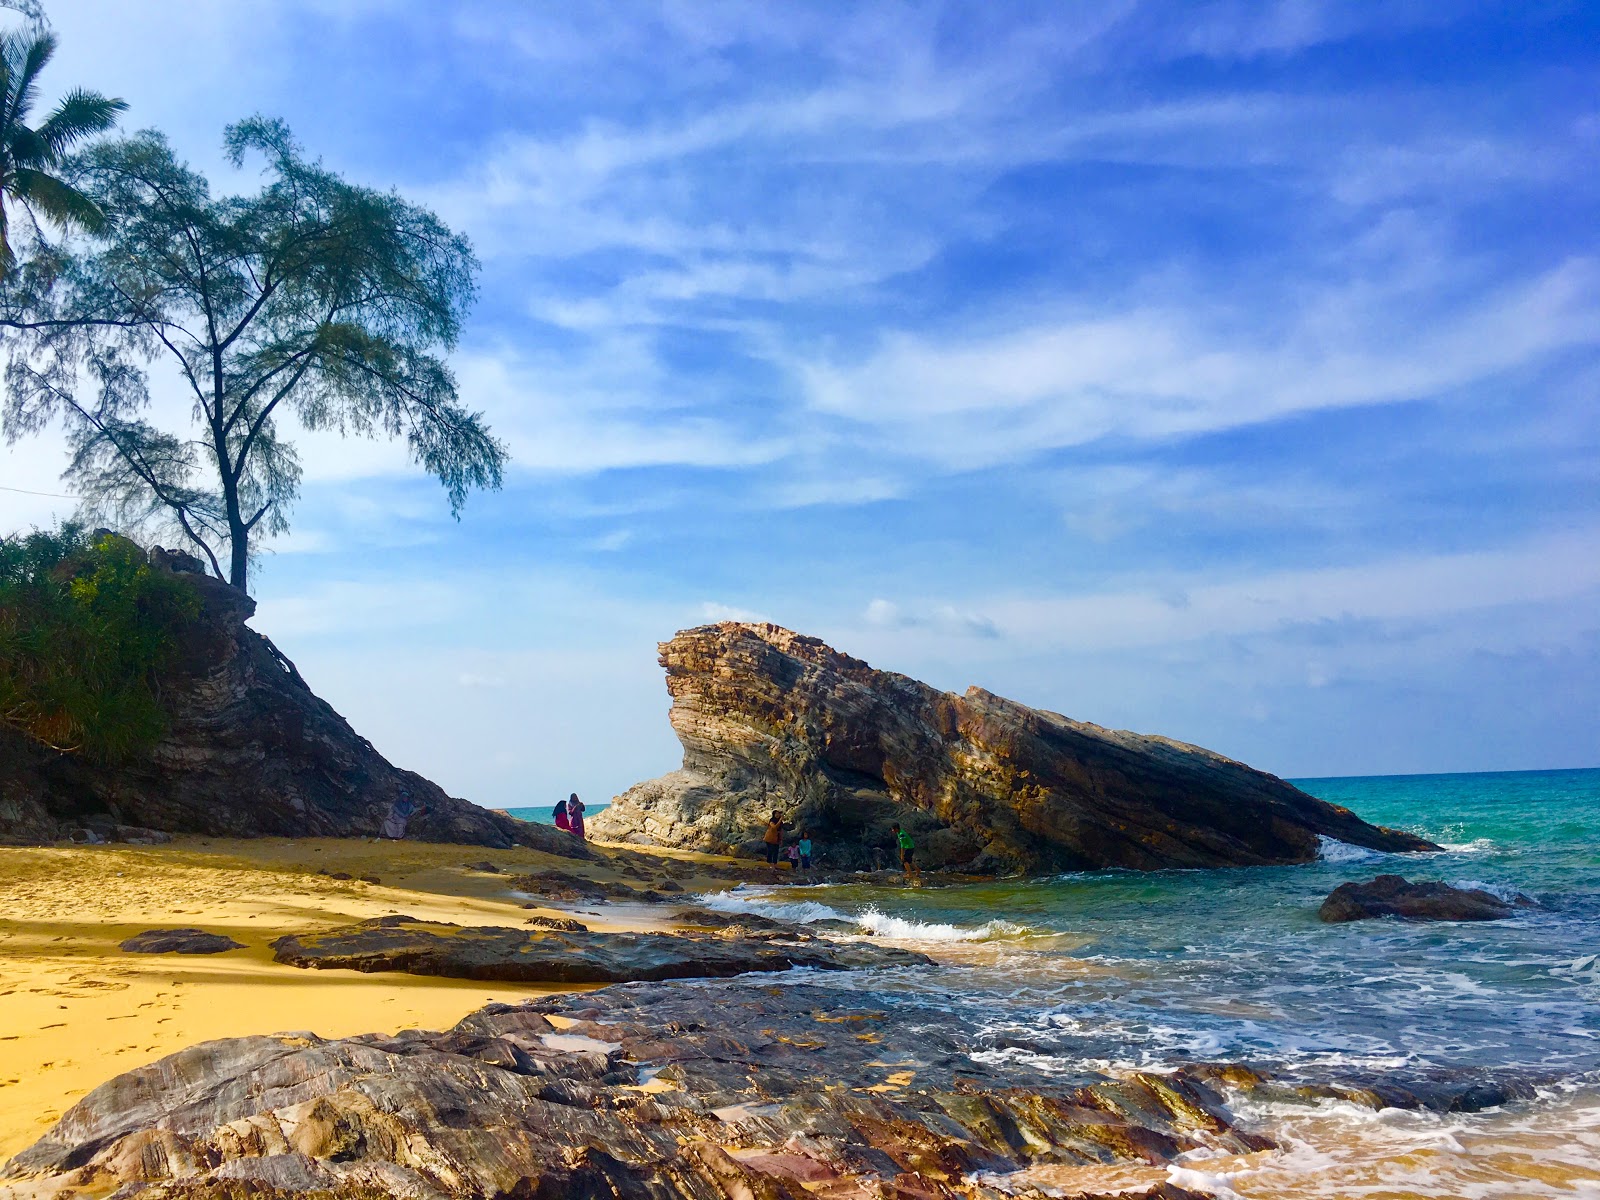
[
  {"x": 872, "y": 920},
  {"x": 1475, "y": 846},
  {"x": 757, "y": 904},
  {"x": 1502, "y": 891},
  {"x": 1335, "y": 851},
  {"x": 933, "y": 931}
]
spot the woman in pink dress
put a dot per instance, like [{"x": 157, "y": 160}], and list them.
[
  {"x": 563, "y": 821},
  {"x": 575, "y": 809}
]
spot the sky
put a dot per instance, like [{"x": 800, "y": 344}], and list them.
[{"x": 1220, "y": 370}]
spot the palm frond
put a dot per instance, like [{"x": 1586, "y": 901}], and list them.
[
  {"x": 59, "y": 201},
  {"x": 33, "y": 51},
  {"x": 81, "y": 114}
]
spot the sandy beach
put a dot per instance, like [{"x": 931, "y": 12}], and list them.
[{"x": 75, "y": 1010}]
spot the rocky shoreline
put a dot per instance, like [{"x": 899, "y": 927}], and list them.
[
  {"x": 657, "y": 1091},
  {"x": 714, "y": 1079}
]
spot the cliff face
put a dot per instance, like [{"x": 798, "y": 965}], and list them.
[
  {"x": 249, "y": 751},
  {"x": 770, "y": 719}
]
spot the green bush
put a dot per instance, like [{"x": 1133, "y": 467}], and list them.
[{"x": 87, "y": 630}]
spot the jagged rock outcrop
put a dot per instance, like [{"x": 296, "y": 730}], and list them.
[
  {"x": 650, "y": 1092},
  {"x": 772, "y": 720},
  {"x": 249, "y": 750}
]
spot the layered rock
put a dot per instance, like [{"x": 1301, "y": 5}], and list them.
[
  {"x": 249, "y": 750},
  {"x": 653, "y": 1092},
  {"x": 546, "y": 955},
  {"x": 773, "y": 720}
]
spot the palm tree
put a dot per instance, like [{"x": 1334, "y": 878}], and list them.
[{"x": 29, "y": 156}]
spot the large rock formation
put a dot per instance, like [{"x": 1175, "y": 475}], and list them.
[
  {"x": 249, "y": 750},
  {"x": 770, "y": 719}
]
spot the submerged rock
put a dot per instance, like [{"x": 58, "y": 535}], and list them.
[
  {"x": 770, "y": 719},
  {"x": 249, "y": 750},
  {"x": 179, "y": 941},
  {"x": 655, "y": 1092},
  {"x": 546, "y": 955},
  {"x": 1395, "y": 896}
]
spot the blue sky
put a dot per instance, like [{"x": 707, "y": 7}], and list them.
[{"x": 1227, "y": 371}]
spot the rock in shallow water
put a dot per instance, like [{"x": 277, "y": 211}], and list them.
[
  {"x": 1395, "y": 896},
  {"x": 771, "y": 719},
  {"x": 542, "y": 955},
  {"x": 654, "y": 1092}
]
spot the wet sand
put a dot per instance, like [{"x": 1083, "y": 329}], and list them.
[{"x": 75, "y": 1010}]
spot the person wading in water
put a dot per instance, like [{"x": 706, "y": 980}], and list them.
[{"x": 908, "y": 851}]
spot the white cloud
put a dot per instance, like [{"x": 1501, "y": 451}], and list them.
[
  {"x": 712, "y": 611},
  {"x": 1167, "y": 371},
  {"x": 1559, "y": 567}
]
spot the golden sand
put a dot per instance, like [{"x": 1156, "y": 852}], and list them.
[{"x": 75, "y": 1010}]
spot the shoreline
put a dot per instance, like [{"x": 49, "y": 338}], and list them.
[{"x": 75, "y": 1010}]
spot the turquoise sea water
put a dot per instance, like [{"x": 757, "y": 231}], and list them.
[
  {"x": 545, "y": 815},
  {"x": 1155, "y": 969}
]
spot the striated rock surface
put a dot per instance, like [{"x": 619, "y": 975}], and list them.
[
  {"x": 1395, "y": 896},
  {"x": 249, "y": 751},
  {"x": 654, "y": 1092},
  {"x": 771, "y": 719},
  {"x": 551, "y": 955}
]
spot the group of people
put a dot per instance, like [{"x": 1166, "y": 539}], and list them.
[
  {"x": 799, "y": 852},
  {"x": 569, "y": 815}
]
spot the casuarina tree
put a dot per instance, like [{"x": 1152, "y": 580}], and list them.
[
  {"x": 31, "y": 155},
  {"x": 313, "y": 297}
]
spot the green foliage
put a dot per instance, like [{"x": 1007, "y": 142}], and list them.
[
  {"x": 87, "y": 629},
  {"x": 31, "y": 156},
  {"x": 312, "y": 296}
]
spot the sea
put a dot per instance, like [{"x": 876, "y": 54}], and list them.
[{"x": 1123, "y": 970}]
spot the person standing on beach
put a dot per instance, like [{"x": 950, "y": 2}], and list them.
[
  {"x": 908, "y": 850},
  {"x": 773, "y": 838},
  {"x": 563, "y": 821},
  {"x": 575, "y": 809}
]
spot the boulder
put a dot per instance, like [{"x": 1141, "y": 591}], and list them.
[
  {"x": 770, "y": 719},
  {"x": 249, "y": 751},
  {"x": 545, "y": 955},
  {"x": 179, "y": 941},
  {"x": 638, "y": 1093},
  {"x": 1394, "y": 896}
]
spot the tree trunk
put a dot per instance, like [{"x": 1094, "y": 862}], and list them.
[{"x": 239, "y": 553}]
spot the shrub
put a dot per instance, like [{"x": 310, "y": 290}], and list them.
[{"x": 87, "y": 630}]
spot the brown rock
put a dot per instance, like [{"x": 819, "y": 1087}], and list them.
[
  {"x": 400, "y": 943},
  {"x": 179, "y": 941},
  {"x": 1394, "y": 896},
  {"x": 770, "y": 719},
  {"x": 249, "y": 751},
  {"x": 653, "y": 1092}
]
